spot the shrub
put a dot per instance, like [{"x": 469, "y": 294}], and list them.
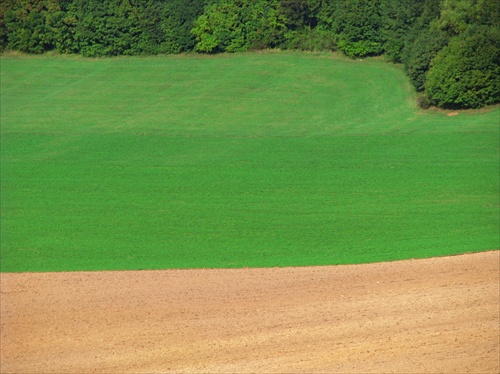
[
  {"x": 310, "y": 40},
  {"x": 357, "y": 24},
  {"x": 420, "y": 52},
  {"x": 466, "y": 73},
  {"x": 423, "y": 102}
]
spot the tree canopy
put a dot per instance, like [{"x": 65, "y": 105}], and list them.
[{"x": 449, "y": 48}]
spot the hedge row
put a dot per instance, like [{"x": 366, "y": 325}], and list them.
[{"x": 450, "y": 48}]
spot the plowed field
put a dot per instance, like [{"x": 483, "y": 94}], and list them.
[{"x": 433, "y": 315}]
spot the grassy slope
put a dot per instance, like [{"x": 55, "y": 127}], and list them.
[{"x": 231, "y": 161}]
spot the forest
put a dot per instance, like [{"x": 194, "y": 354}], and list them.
[{"x": 450, "y": 49}]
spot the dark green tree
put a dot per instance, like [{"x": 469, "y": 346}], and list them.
[
  {"x": 398, "y": 17},
  {"x": 422, "y": 51},
  {"x": 325, "y": 13},
  {"x": 30, "y": 25},
  {"x": 297, "y": 14},
  {"x": 177, "y": 20},
  {"x": 4, "y": 31},
  {"x": 308, "y": 24},
  {"x": 357, "y": 25},
  {"x": 422, "y": 43},
  {"x": 466, "y": 73}
]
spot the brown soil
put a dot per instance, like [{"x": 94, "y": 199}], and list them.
[{"x": 436, "y": 315}]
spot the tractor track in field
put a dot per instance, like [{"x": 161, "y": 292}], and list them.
[{"x": 438, "y": 315}]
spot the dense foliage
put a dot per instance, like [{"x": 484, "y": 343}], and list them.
[
  {"x": 432, "y": 38},
  {"x": 99, "y": 27},
  {"x": 466, "y": 73}
]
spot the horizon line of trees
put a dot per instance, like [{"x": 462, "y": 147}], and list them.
[{"x": 450, "y": 48}]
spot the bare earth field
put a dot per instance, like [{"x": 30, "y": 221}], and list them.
[{"x": 436, "y": 315}]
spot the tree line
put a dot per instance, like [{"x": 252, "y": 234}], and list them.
[{"x": 449, "y": 48}]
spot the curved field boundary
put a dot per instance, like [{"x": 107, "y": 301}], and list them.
[
  {"x": 426, "y": 316},
  {"x": 245, "y": 160}
]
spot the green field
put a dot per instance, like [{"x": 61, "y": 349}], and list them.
[{"x": 244, "y": 160}]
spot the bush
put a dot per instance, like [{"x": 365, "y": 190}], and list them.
[
  {"x": 237, "y": 25},
  {"x": 419, "y": 53},
  {"x": 310, "y": 40},
  {"x": 423, "y": 102},
  {"x": 466, "y": 73},
  {"x": 357, "y": 24}
]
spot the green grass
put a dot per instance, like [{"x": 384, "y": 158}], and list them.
[{"x": 275, "y": 159}]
